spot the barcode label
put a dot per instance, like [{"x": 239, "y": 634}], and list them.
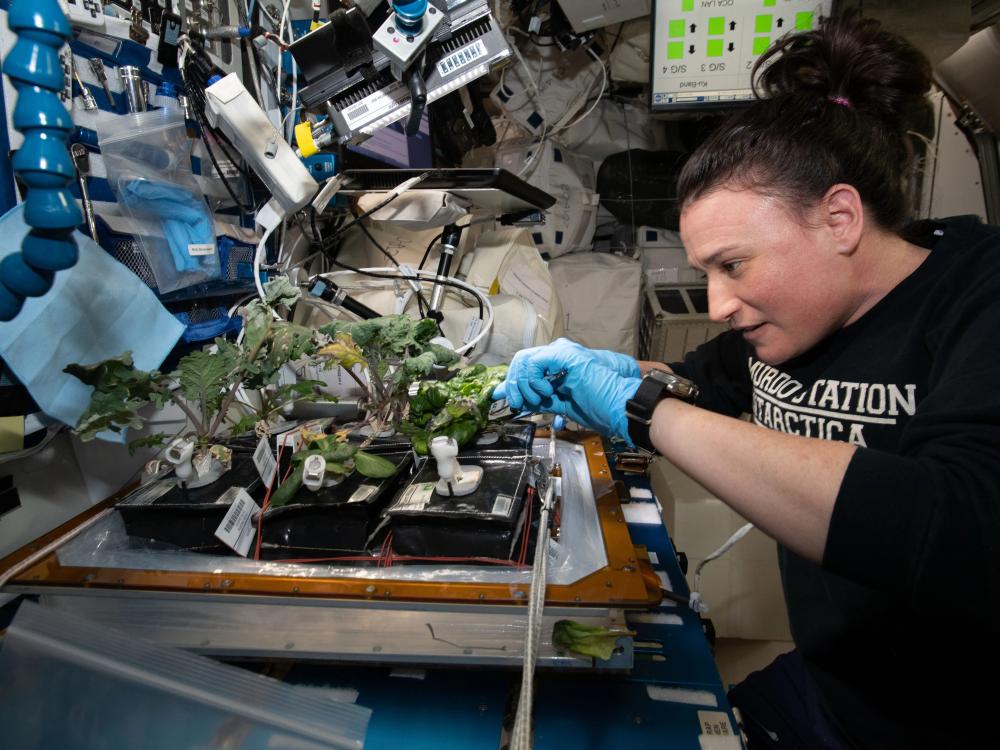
[
  {"x": 361, "y": 109},
  {"x": 237, "y": 528},
  {"x": 502, "y": 505},
  {"x": 195, "y": 250},
  {"x": 377, "y": 104},
  {"x": 263, "y": 459},
  {"x": 462, "y": 57},
  {"x": 362, "y": 493}
]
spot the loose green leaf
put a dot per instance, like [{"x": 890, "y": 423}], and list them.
[
  {"x": 587, "y": 640},
  {"x": 374, "y": 466},
  {"x": 281, "y": 291}
]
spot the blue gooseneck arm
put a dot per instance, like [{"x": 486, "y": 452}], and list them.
[{"x": 43, "y": 162}]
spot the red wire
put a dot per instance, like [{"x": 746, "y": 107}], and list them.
[{"x": 267, "y": 499}]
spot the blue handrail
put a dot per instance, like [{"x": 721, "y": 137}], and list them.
[{"x": 43, "y": 162}]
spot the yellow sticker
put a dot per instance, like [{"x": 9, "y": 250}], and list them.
[
  {"x": 495, "y": 287},
  {"x": 11, "y": 434}
]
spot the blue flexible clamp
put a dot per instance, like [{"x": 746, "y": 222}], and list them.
[{"x": 43, "y": 162}]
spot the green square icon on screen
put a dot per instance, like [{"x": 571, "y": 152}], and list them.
[
  {"x": 804, "y": 21},
  {"x": 760, "y": 44},
  {"x": 717, "y": 25},
  {"x": 675, "y": 50},
  {"x": 762, "y": 24},
  {"x": 769, "y": 3},
  {"x": 675, "y": 28},
  {"x": 714, "y": 48},
  {"x": 688, "y": 5}
]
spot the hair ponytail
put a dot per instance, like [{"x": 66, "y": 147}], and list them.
[{"x": 835, "y": 104}]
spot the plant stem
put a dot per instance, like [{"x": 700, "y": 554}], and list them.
[{"x": 196, "y": 423}]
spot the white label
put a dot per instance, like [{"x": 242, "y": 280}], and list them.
[
  {"x": 98, "y": 42},
  {"x": 229, "y": 496},
  {"x": 376, "y": 104},
  {"x": 362, "y": 493},
  {"x": 264, "y": 460},
  {"x": 461, "y": 57},
  {"x": 654, "y": 558},
  {"x": 207, "y": 248},
  {"x": 521, "y": 282},
  {"x": 237, "y": 528},
  {"x": 472, "y": 330},
  {"x": 502, "y": 505},
  {"x": 715, "y": 723},
  {"x": 415, "y": 497}
]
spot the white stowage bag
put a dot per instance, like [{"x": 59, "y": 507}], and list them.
[
  {"x": 570, "y": 179},
  {"x": 600, "y": 296},
  {"x": 630, "y": 58},
  {"x": 526, "y": 308},
  {"x": 614, "y": 127},
  {"x": 565, "y": 80}
]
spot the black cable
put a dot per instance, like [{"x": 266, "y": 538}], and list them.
[
  {"x": 421, "y": 302},
  {"x": 380, "y": 206},
  {"x": 404, "y": 277},
  {"x": 427, "y": 252}
]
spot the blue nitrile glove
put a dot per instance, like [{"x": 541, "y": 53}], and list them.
[
  {"x": 533, "y": 372},
  {"x": 184, "y": 217},
  {"x": 594, "y": 396}
]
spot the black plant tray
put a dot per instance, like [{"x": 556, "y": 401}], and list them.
[
  {"x": 166, "y": 512},
  {"x": 486, "y": 523},
  {"x": 333, "y": 520}
]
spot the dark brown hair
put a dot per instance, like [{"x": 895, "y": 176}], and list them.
[{"x": 837, "y": 104}]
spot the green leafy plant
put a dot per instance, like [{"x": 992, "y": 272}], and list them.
[
  {"x": 587, "y": 640},
  {"x": 205, "y": 384},
  {"x": 392, "y": 351},
  {"x": 342, "y": 457},
  {"x": 457, "y": 408}
]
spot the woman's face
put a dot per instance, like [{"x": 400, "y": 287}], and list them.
[{"x": 775, "y": 277}]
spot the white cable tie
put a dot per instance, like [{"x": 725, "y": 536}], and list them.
[
  {"x": 270, "y": 215},
  {"x": 411, "y": 274},
  {"x": 328, "y": 190}
]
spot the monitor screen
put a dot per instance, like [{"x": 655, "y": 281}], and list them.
[{"x": 702, "y": 52}]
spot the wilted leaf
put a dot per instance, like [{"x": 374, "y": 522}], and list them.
[{"x": 587, "y": 640}]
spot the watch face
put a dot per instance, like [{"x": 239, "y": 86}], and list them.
[{"x": 675, "y": 384}]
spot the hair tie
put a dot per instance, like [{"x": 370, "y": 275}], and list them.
[{"x": 843, "y": 101}]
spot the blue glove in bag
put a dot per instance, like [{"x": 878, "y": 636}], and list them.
[
  {"x": 532, "y": 372},
  {"x": 183, "y": 216}
]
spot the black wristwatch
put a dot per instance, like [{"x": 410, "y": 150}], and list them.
[{"x": 657, "y": 385}]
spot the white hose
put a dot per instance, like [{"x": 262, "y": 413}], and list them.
[{"x": 431, "y": 276}]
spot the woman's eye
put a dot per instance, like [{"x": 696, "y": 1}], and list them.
[{"x": 732, "y": 266}]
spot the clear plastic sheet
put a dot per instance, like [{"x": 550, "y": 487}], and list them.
[
  {"x": 579, "y": 552},
  {"x": 83, "y": 685}
]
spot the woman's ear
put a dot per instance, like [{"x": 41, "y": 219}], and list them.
[{"x": 843, "y": 214}]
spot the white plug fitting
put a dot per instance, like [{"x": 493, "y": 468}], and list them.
[
  {"x": 455, "y": 480},
  {"x": 314, "y": 472},
  {"x": 179, "y": 453}
]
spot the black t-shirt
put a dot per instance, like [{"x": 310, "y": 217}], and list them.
[{"x": 899, "y": 624}]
